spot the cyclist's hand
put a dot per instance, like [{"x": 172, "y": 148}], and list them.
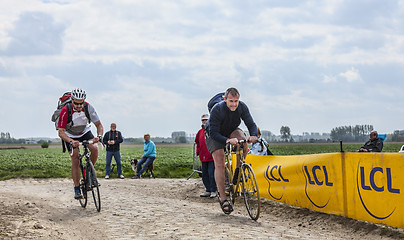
[
  {"x": 233, "y": 141},
  {"x": 75, "y": 143},
  {"x": 252, "y": 139}
]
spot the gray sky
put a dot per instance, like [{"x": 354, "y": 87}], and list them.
[{"x": 151, "y": 66}]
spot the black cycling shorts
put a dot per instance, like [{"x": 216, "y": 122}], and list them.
[
  {"x": 89, "y": 135},
  {"x": 214, "y": 145}
]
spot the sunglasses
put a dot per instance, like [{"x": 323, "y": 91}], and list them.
[{"x": 76, "y": 103}]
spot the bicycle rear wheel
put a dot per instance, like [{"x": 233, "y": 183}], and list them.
[
  {"x": 83, "y": 188},
  {"x": 94, "y": 186},
  {"x": 250, "y": 192}
]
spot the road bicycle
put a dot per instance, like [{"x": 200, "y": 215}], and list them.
[
  {"x": 246, "y": 181},
  {"x": 89, "y": 180}
]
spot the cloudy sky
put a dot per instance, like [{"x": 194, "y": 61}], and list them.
[{"x": 151, "y": 66}]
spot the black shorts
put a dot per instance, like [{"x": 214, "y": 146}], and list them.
[
  {"x": 89, "y": 135},
  {"x": 214, "y": 145}
]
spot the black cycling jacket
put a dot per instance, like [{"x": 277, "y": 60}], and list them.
[{"x": 222, "y": 122}]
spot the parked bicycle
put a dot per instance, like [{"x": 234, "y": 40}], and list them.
[
  {"x": 89, "y": 180},
  {"x": 246, "y": 182}
]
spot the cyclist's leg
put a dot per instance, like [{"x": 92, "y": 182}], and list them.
[
  {"x": 75, "y": 167},
  {"x": 92, "y": 147},
  {"x": 218, "y": 157},
  {"x": 94, "y": 152},
  {"x": 239, "y": 134}
]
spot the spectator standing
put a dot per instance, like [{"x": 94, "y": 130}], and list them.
[
  {"x": 148, "y": 156},
  {"x": 208, "y": 165},
  {"x": 112, "y": 139}
]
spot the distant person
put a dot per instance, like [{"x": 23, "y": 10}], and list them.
[
  {"x": 375, "y": 144},
  {"x": 222, "y": 128},
  {"x": 258, "y": 148},
  {"x": 78, "y": 130},
  {"x": 208, "y": 165},
  {"x": 148, "y": 157},
  {"x": 112, "y": 139}
]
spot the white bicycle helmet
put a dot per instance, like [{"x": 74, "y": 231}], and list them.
[{"x": 78, "y": 94}]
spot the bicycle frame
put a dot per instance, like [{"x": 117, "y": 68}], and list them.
[
  {"x": 89, "y": 180},
  {"x": 85, "y": 154},
  {"x": 246, "y": 181},
  {"x": 239, "y": 152}
]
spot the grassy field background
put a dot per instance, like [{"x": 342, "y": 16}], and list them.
[{"x": 173, "y": 161}]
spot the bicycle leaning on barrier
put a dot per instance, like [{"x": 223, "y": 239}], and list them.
[
  {"x": 89, "y": 180},
  {"x": 246, "y": 184}
]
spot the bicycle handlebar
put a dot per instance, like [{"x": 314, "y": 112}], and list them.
[
  {"x": 242, "y": 141},
  {"x": 245, "y": 141},
  {"x": 84, "y": 143}
]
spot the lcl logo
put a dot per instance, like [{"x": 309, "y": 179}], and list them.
[
  {"x": 273, "y": 175},
  {"x": 316, "y": 179},
  {"x": 315, "y": 170},
  {"x": 368, "y": 186}
]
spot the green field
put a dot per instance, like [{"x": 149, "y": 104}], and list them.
[{"x": 171, "y": 161}]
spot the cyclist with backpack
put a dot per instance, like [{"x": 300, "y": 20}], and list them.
[
  {"x": 222, "y": 128},
  {"x": 74, "y": 127}
]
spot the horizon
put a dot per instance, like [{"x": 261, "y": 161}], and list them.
[{"x": 152, "y": 66}]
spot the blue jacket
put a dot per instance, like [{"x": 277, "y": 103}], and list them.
[
  {"x": 149, "y": 149},
  {"x": 222, "y": 122}
]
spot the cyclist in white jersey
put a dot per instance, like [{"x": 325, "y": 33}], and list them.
[{"x": 77, "y": 131}]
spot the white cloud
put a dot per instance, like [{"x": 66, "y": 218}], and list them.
[
  {"x": 329, "y": 79},
  {"x": 351, "y": 75},
  {"x": 155, "y": 64}
]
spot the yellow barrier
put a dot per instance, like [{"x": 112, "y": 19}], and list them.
[{"x": 364, "y": 186}]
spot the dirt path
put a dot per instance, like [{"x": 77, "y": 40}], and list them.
[{"x": 159, "y": 209}]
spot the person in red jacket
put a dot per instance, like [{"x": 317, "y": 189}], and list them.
[{"x": 208, "y": 166}]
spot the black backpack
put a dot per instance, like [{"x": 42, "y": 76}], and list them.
[{"x": 215, "y": 99}]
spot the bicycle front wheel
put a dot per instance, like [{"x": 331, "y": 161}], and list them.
[
  {"x": 93, "y": 182},
  {"x": 83, "y": 188},
  {"x": 250, "y": 192}
]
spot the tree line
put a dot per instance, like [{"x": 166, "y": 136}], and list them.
[
  {"x": 5, "y": 138},
  {"x": 357, "y": 133}
]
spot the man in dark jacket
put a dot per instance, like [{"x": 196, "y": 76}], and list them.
[
  {"x": 222, "y": 128},
  {"x": 112, "y": 139},
  {"x": 374, "y": 144}
]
